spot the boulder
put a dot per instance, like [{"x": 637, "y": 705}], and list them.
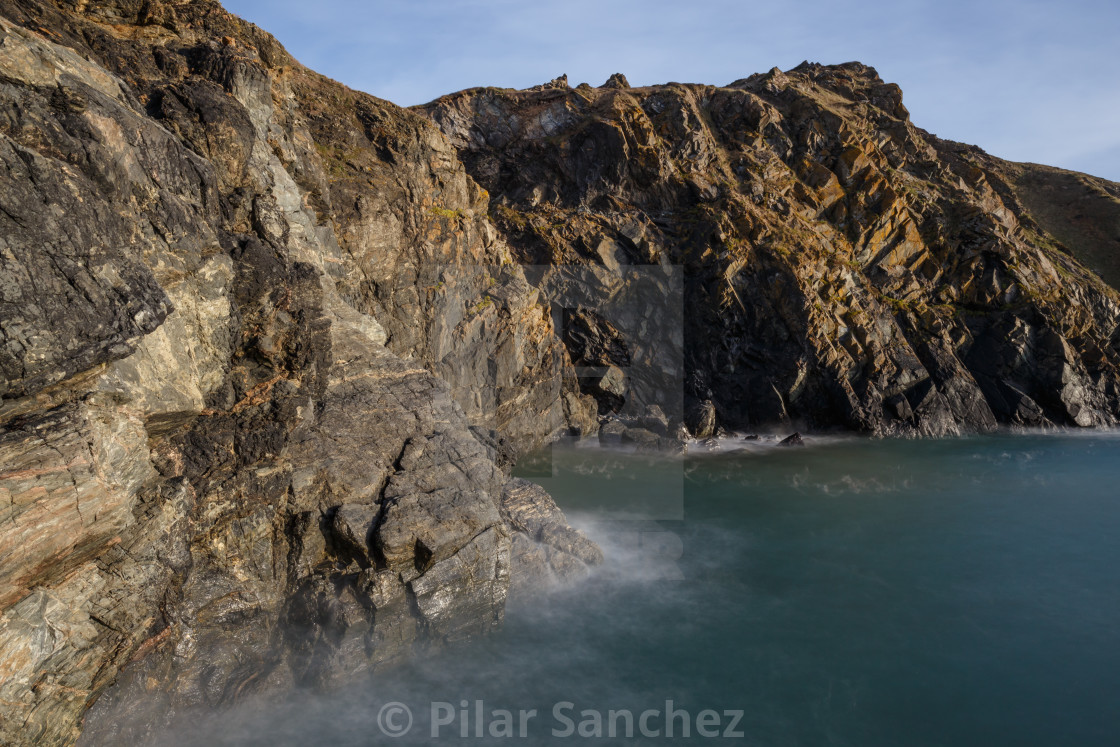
[
  {"x": 645, "y": 440},
  {"x": 611, "y": 432},
  {"x": 701, "y": 420},
  {"x": 794, "y": 439}
]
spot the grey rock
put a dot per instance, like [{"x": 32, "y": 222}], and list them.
[
  {"x": 258, "y": 397},
  {"x": 559, "y": 536},
  {"x": 611, "y": 432},
  {"x": 351, "y": 526},
  {"x": 544, "y": 546},
  {"x": 468, "y": 589},
  {"x": 645, "y": 440},
  {"x": 654, "y": 419},
  {"x": 613, "y": 382},
  {"x": 527, "y": 508}
]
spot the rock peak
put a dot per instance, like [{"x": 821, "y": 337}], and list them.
[
  {"x": 845, "y": 70},
  {"x": 618, "y": 80},
  {"x": 560, "y": 83}
]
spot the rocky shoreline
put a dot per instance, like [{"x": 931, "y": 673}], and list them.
[{"x": 270, "y": 347}]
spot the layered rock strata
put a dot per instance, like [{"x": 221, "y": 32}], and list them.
[
  {"x": 842, "y": 267},
  {"x": 265, "y": 367}
]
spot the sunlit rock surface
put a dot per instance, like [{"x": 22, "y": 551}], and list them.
[
  {"x": 843, "y": 268},
  {"x": 265, "y": 367}
]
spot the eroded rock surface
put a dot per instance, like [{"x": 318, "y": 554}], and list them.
[
  {"x": 544, "y": 547},
  {"x": 264, "y": 367},
  {"x": 843, "y": 268}
]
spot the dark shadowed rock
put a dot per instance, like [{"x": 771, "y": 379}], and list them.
[
  {"x": 701, "y": 420},
  {"x": 793, "y": 439},
  {"x": 645, "y": 440},
  {"x": 611, "y": 432},
  {"x": 655, "y": 419},
  {"x": 350, "y": 531},
  {"x": 609, "y": 387},
  {"x": 592, "y": 340}
]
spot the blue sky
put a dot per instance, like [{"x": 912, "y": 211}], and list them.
[{"x": 1025, "y": 80}]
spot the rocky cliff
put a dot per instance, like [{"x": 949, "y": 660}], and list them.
[
  {"x": 265, "y": 366},
  {"x": 842, "y": 267},
  {"x": 268, "y": 349}
]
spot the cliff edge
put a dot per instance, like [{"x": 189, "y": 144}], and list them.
[{"x": 842, "y": 267}]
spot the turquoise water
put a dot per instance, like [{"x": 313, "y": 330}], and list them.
[{"x": 864, "y": 593}]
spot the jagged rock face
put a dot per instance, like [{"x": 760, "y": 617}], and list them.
[
  {"x": 599, "y": 349},
  {"x": 843, "y": 267},
  {"x": 545, "y": 544},
  {"x": 264, "y": 366}
]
